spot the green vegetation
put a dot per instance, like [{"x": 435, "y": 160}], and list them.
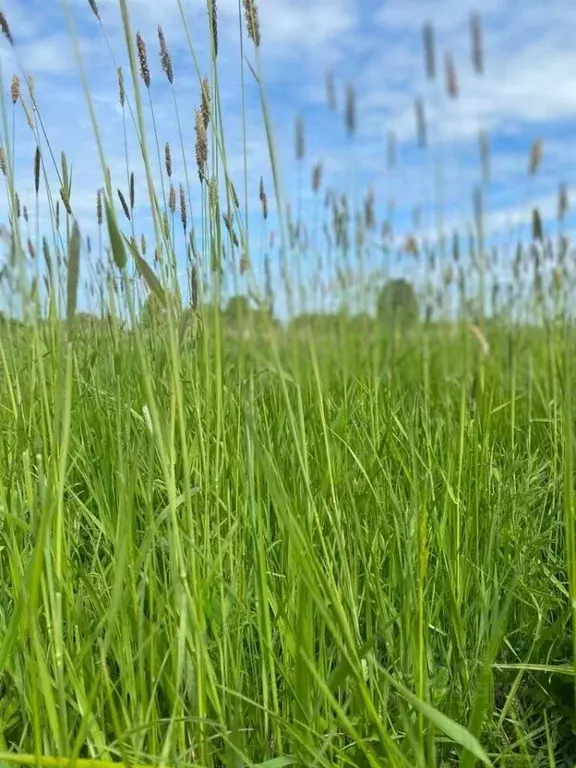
[{"x": 318, "y": 543}]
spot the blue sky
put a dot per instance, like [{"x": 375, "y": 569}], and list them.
[{"x": 527, "y": 91}]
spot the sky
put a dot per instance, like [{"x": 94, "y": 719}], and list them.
[{"x": 526, "y": 92}]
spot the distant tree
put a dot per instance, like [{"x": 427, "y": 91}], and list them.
[
  {"x": 398, "y": 304},
  {"x": 237, "y": 308}
]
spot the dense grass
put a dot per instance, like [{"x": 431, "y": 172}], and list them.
[{"x": 279, "y": 547}]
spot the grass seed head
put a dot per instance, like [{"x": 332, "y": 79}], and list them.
[
  {"x": 99, "y": 207},
  {"x": 121, "y": 90},
  {"x": 429, "y": 50},
  {"x": 252, "y": 22},
  {"x": 234, "y": 196},
  {"x": 183, "y": 211},
  {"x": 563, "y": 204},
  {"x": 392, "y": 150},
  {"x": 94, "y": 7},
  {"x": 536, "y": 151},
  {"x": 476, "y": 44},
  {"x": 299, "y": 144},
  {"x": 143, "y": 59},
  {"x": 201, "y": 145},
  {"x": 263, "y": 199},
  {"x": 213, "y": 18},
  {"x": 205, "y": 101},
  {"x": 165, "y": 58},
  {"x": 420, "y": 123},
  {"x": 537, "y": 228},
  {"x": 37, "y": 170},
  {"x": 168, "y": 160},
  {"x": 6, "y": 29},
  {"x": 124, "y": 204},
  {"x": 172, "y": 199},
  {"x": 451, "y": 77},
  {"x": 316, "y": 177},
  {"x": 350, "y": 110},
  {"x": 15, "y": 89},
  {"x": 132, "y": 191},
  {"x": 331, "y": 91}
]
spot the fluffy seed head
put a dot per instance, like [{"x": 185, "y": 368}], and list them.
[
  {"x": 143, "y": 59},
  {"x": 252, "y": 23},
  {"x": 165, "y": 59},
  {"x": 15, "y": 88}
]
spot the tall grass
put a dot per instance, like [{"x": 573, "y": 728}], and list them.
[{"x": 225, "y": 541}]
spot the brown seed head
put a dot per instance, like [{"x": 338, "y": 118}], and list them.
[
  {"x": 37, "y": 169},
  {"x": 172, "y": 199},
  {"x": 252, "y": 23},
  {"x": 121, "y": 90},
  {"x": 263, "y": 199},
  {"x": 563, "y": 204},
  {"x": 429, "y": 50},
  {"x": 205, "y": 102},
  {"x": 201, "y": 145},
  {"x": 124, "y": 204},
  {"x": 31, "y": 91},
  {"x": 476, "y": 42},
  {"x": 168, "y": 160},
  {"x": 92, "y": 4},
  {"x": 165, "y": 58},
  {"x": 451, "y": 77},
  {"x": 132, "y": 191},
  {"x": 420, "y": 123},
  {"x": 535, "y": 156},
  {"x": 213, "y": 18},
  {"x": 143, "y": 59},
  {"x": 183, "y": 211},
  {"x": 316, "y": 177},
  {"x": 15, "y": 88},
  {"x": 99, "y": 207},
  {"x": 299, "y": 139},
  {"x": 6, "y": 29},
  {"x": 350, "y": 110}
]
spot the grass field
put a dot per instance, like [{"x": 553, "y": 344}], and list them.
[{"x": 277, "y": 547}]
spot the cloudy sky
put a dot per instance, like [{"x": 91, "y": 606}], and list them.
[{"x": 526, "y": 92}]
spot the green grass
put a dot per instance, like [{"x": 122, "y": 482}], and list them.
[{"x": 281, "y": 548}]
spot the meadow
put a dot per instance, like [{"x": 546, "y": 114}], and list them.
[{"x": 341, "y": 539}]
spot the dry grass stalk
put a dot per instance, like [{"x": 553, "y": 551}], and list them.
[
  {"x": 263, "y": 199},
  {"x": 121, "y": 90},
  {"x": 476, "y": 42},
  {"x": 183, "y": 211},
  {"x": 94, "y": 7},
  {"x": 15, "y": 89},
  {"x": 316, "y": 177},
  {"x": 451, "y": 77},
  {"x": 420, "y": 123},
  {"x": 429, "y": 50},
  {"x": 350, "y": 114},
  {"x": 252, "y": 22},
  {"x": 168, "y": 160},
  {"x": 37, "y": 170},
  {"x": 480, "y": 338},
  {"x": 6, "y": 29},
  {"x": 299, "y": 139},
  {"x": 165, "y": 58},
  {"x": 201, "y": 145},
  {"x": 143, "y": 59},
  {"x": 535, "y": 160},
  {"x": 205, "y": 101}
]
